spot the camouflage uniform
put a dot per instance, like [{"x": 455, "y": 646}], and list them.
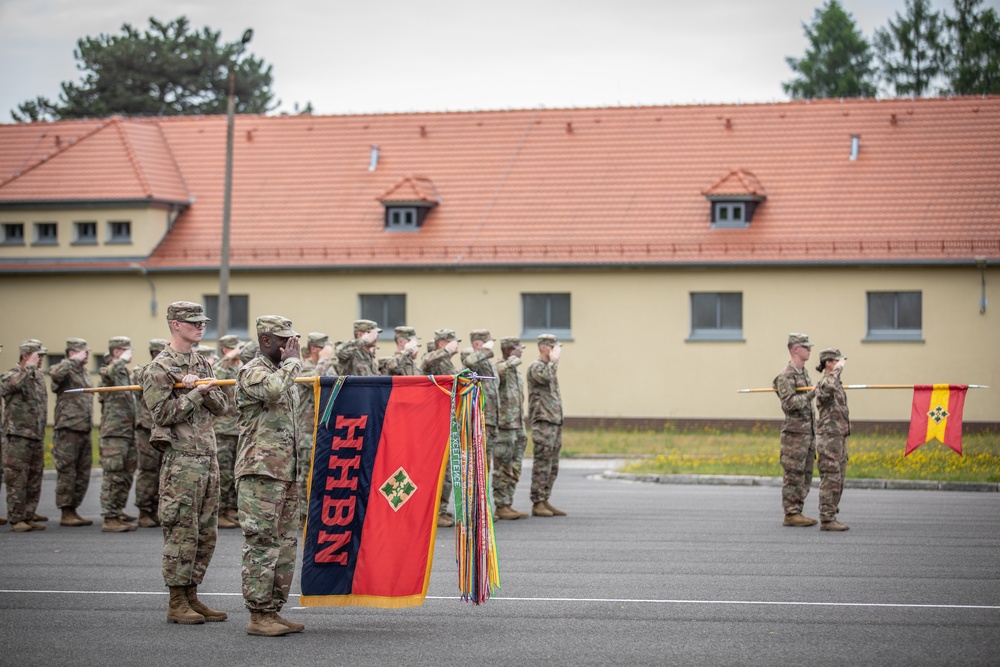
[
  {"x": 306, "y": 416},
  {"x": 227, "y": 430},
  {"x": 189, "y": 474},
  {"x": 401, "y": 362},
  {"x": 438, "y": 362},
  {"x": 25, "y": 412},
  {"x": 119, "y": 456},
  {"x": 833, "y": 425},
  {"x": 354, "y": 356},
  {"x": 147, "y": 479},
  {"x": 265, "y": 473},
  {"x": 511, "y": 437},
  {"x": 72, "y": 444},
  {"x": 479, "y": 362},
  {"x": 798, "y": 443},
  {"x": 545, "y": 414}
]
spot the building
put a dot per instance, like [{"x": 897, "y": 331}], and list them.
[{"x": 671, "y": 248}]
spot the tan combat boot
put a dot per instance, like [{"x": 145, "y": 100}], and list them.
[
  {"x": 799, "y": 520},
  {"x": 147, "y": 519},
  {"x": 507, "y": 513},
  {"x": 86, "y": 522},
  {"x": 36, "y": 526},
  {"x": 445, "y": 521},
  {"x": 226, "y": 522},
  {"x": 180, "y": 611},
  {"x": 3, "y": 520},
  {"x": 291, "y": 625},
  {"x": 555, "y": 511},
  {"x": 539, "y": 509},
  {"x": 263, "y": 624},
  {"x": 128, "y": 518},
  {"x": 834, "y": 525},
  {"x": 38, "y": 517},
  {"x": 69, "y": 518},
  {"x": 211, "y": 615},
  {"x": 21, "y": 527},
  {"x": 115, "y": 525}
]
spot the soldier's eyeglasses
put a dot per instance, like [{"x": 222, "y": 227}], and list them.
[{"x": 198, "y": 325}]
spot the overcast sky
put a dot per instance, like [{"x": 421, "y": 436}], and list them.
[{"x": 352, "y": 56}]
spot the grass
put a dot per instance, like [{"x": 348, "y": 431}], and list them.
[{"x": 712, "y": 451}]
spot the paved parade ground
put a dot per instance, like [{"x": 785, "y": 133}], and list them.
[{"x": 652, "y": 574}]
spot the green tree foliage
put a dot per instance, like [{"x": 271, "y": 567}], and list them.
[
  {"x": 838, "y": 62},
  {"x": 972, "y": 50},
  {"x": 166, "y": 70},
  {"x": 909, "y": 50}
]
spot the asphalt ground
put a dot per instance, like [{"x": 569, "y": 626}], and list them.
[{"x": 637, "y": 574}]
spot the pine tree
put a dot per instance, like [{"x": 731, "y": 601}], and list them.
[
  {"x": 972, "y": 50},
  {"x": 909, "y": 50},
  {"x": 838, "y": 62}
]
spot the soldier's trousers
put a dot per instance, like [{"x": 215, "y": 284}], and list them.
[
  {"x": 225, "y": 446},
  {"x": 23, "y": 461},
  {"x": 303, "y": 458},
  {"x": 546, "y": 439},
  {"x": 73, "y": 453},
  {"x": 269, "y": 518},
  {"x": 832, "y": 464},
  {"x": 147, "y": 480},
  {"x": 798, "y": 457},
  {"x": 119, "y": 458},
  {"x": 189, "y": 511},
  {"x": 505, "y": 475}
]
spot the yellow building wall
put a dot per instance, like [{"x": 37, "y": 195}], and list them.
[
  {"x": 148, "y": 227},
  {"x": 628, "y": 356}
]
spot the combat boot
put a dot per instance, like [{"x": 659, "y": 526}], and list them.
[
  {"x": 226, "y": 522},
  {"x": 36, "y": 526},
  {"x": 147, "y": 519},
  {"x": 126, "y": 517},
  {"x": 263, "y": 624},
  {"x": 180, "y": 611},
  {"x": 234, "y": 516},
  {"x": 834, "y": 525},
  {"x": 555, "y": 511},
  {"x": 3, "y": 520},
  {"x": 799, "y": 520},
  {"x": 21, "y": 527},
  {"x": 506, "y": 513},
  {"x": 211, "y": 615},
  {"x": 39, "y": 517},
  {"x": 86, "y": 522},
  {"x": 445, "y": 521},
  {"x": 539, "y": 509},
  {"x": 69, "y": 518},
  {"x": 115, "y": 525},
  {"x": 291, "y": 625}
]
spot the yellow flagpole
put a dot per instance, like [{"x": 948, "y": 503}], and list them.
[
  {"x": 853, "y": 386},
  {"x": 178, "y": 385}
]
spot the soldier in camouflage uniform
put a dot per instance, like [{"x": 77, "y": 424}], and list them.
[
  {"x": 438, "y": 362},
  {"x": 478, "y": 360},
  {"x": 833, "y": 425},
  {"x": 511, "y": 437},
  {"x": 227, "y": 432},
  {"x": 265, "y": 473},
  {"x": 798, "y": 442},
  {"x": 189, "y": 474},
  {"x": 403, "y": 361},
  {"x": 25, "y": 412},
  {"x": 147, "y": 479},
  {"x": 72, "y": 446},
  {"x": 119, "y": 456},
  {"x": 317, "y": 362},
  {"x": 248, "y": 351},
  {"x": 356, "y": 356},
  {"x": 545, "y": 414}
]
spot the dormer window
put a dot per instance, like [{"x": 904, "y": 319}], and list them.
[
  {"x": 734, "y": 199},
  {"x": 408, "y": 203}
]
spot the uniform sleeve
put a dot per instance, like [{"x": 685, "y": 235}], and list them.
[
  {"x": 10, "y": 382},
  {"x": 826, "y": 388},
  {"x": 346, "y": 350},
  {"x": 157, "y": 392},
  {"x": 791, "y": 399},
  {"x": 60, "y": 371},
  {"x": 264, "y": 387},
  {"x": 474, "y": 358},
  {"x": 503, "y": 367},
  {"x": 542, "y": 373}
]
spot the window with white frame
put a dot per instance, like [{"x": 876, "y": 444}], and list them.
[
  {"x": 389, "y": 310},
  {"x": 716, "y": 316},
  {"x": 402, "y": 218},
  {"x": 119, "y": 231},
  {"x": 84, "y": 233},
  {"x": 46, "y": 233},
  {"x": 545, "y": 313},
  {"x": 730, "y": 214},
  {"x": 895, "y": 316},
  {"x": 13, "y": 233}
]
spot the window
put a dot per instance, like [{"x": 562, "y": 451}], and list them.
[
  {"x": 53, "y": 359},
  {"x": 716, "y": 316},
  {"x": 239, "y": 307},
  {"x": 85, "y": 233},
  {"x": 120, "y": 232},
  {"x": 402, "y": 219},
  {"x": 730, "y": 214},
  {"x": 389, "y": 310},
  {"x": 894, "y": 316},
  {"x": 545, "y": 313},
  {"x": 46, "y": 233},
  {"x": 13, "y": 233}
]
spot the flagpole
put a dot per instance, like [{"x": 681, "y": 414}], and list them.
[{"x": 853, "y": 386}]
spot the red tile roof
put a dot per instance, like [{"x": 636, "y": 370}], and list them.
[
  {"x": 412, "y": 189},
  {"x": 573, "y": 186},
  {"x": 738, "y": 182}
]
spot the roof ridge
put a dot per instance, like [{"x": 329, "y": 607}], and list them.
[
  {"x": 133, "y": 158},
  {"x": 173, "y": 159},
  {"x": 18, "y": 173}
]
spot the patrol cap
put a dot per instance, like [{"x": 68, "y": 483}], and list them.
[
  {"x": 230, "y": 342},
  {"x": 446, "y": 334},
  {"x": 405, "y": 332},
  {"x": 205, "y": 350},
  {"x": 32, "y": 345},
  {"x": 317, "y": 339},
  {"x": 76, "y": 344},
  {"x": 186, "y": 311},
  {"x": 830, "y": 353},
  {"x": 799, "y": 339},
  {"x": 364, "y": 326},
  {"x": 158, "y": 344},
  {"x": 248, "y": 351},
  {"x": 510, "y": 341},
  {"x": 276, "y": 325},
  {"x": 547, "y": 339},
  {"x": 120, "y": 343},
  {"x": 480, "y": 334}
]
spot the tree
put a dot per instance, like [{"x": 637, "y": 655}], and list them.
[
  {"x": 909, "y": 49},
  {"x": 167, "y": 70},
  {"x": 972, "y": 50},
  {"x": 838, "y": 62}
]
